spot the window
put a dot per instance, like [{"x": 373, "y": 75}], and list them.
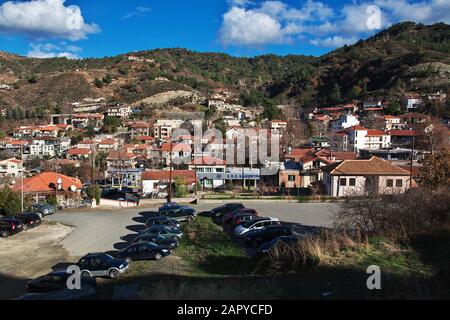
[
  {"x": 352, "y": 182},
  {"x": 208, "y": 169},
  {"x": 343, "y": 182},
  {"x": 399, "y": 183},
  {"x": 291, "y": 178},
  {"x": 389, "y": 183},
  {"x": 219, "y": 169}
]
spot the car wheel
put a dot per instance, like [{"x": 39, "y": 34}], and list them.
[
  {"x": 176, "y": 238},
  {"x": 113, "y": 274},
  {"x": 4, "y": 234},
  {"x": 190, "y": 218},
  {"x": 25, "y": 227},
  {"x": 158, "y": 256},
  {"x": 85, "y": 274}
]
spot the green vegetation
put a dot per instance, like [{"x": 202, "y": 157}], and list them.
[
  {"x": 209, "y": 251},
  {"x": 94, "y": 192},
  {"x": 10, "y": 201},
  {"x": 180, "y": 189},
  {"x": 110, "y": 124}
]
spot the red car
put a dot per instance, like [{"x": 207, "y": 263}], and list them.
[{"x": 228, "y": 220}]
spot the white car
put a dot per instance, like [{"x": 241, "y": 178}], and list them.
[{"x": 254, "y": 224}]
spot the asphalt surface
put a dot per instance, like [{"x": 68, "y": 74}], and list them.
[{"x": 103, "y": 231}]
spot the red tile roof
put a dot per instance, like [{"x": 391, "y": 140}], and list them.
[
  {"x": 164, "y": 175},
  {"x": 373, "y": 166},
  {"x": 121, "y": 155},
  {"x": 78, "y": 151},
  {"x": 372, "y": 132},
  {"x": 46, "y": 182},
  {"x": 176, "y": 147},
  {"x": 145, "y": 138}
]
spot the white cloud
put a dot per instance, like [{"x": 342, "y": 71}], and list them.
[
  {"x": 138, "y": 12},
  {"x": 239, "y": 3},
  {"x": 333, "y": 42},
  {"x": 248, "y": 27},
  {"x": 274, "y": 21},
  {"x": 44, "y": 18},
  {"x": 50, "y": 50}
]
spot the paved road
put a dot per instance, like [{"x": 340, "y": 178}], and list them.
[{"x": 98, "y": 231}]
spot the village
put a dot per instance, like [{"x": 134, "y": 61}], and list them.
[{"x": 334, "y": 151}]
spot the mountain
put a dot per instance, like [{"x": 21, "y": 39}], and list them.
[{"x": 406, "y": 57}]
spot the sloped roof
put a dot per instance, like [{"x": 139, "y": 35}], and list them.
[
  {"x": 164, "y": 175},
  {"x": 121, "y": 155},
  {"x": 46, "y": 181},
  {"x": 78, "y": 151},
  {"x": 207, "y": 160},
  {"x": 372, "y": 166}
]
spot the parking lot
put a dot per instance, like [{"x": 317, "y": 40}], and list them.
[
  {"x": 71, "y": 234},
  {"x": 100, "y": 230}
]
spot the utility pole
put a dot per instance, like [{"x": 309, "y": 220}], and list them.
[
  {"x": 169, "y": 197},
  {"x": 412, "y": 162},
  {"x": 23, "y": 172}
]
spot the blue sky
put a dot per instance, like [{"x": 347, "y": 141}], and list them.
[{"x": 97, "y": 28}]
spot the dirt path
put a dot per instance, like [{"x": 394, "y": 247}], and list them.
[{"x": 30, "y": 254}]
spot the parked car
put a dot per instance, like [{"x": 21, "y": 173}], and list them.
[
  {"x": 8, "y": 227},
  {"x": 42, "y": 209},
  {"x": 145, "y": 251},
  {"x": 254, "y": 224},
  {"x": 165, "y": 231},
  {"x": 120, "y": 195},
  {"x": 28, "y": 219},
  {"x": 178, "y": 212},
  {"x": 289, "y": 240},
  {"x": 240, "y": 219},
  {"x": 257, "y": 237},
  {"x": 102, "y": 265},
  {"x": 158, "y": 239},
  {"x": 162, "y": 220},
  {"x": 55, "y": 281},
  {"x": 228, "y": 218},
  {"x": 219, "y": 212}
]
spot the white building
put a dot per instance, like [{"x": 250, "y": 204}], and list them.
[
  {"x": 344, "y": 122},
  {"x": 163, "y": 128},
  {"x": 357, "y": 138},
  {"x": 120, "y": 111},
  {"x": 209, "y": 165},
  {"x": 11, "y": 168},
  {"x": 413, "y": 102},
  {"x": 393, "y": 123},
  {"x": 359, "y": 177}
]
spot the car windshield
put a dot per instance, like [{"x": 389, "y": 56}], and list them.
[{"x": 249, "y": 223}]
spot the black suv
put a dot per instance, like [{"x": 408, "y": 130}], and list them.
[
  {"x": 145, "y": 251},
  {"x": 29, "y": 219},
  {"x": 162, "y": 220},
  {"x": 218, "y": 213},
  {"x": 9, "y": 226},
  {"x": 158, "y": 239},
  {"x": 258, "y": 237},
  {"x": 102, "y": 265},
  {"x": 178, "y": 212}
]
